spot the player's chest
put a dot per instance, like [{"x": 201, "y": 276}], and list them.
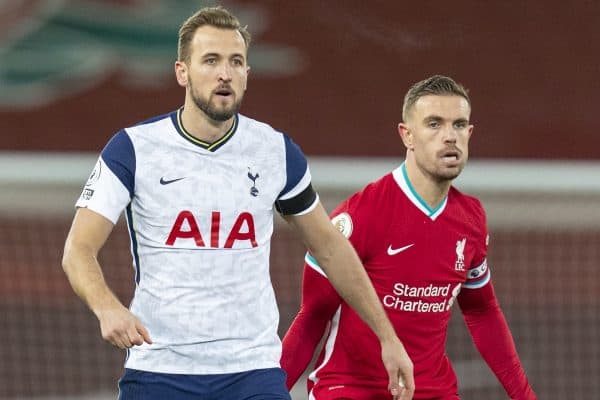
[
  {"x": 423, "y": 250},
  {"x": 209, "y": 183}
]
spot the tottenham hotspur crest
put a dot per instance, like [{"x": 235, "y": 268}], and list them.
[
  {"x": 253, "y": 178},
  {"x": 459, "y": 265}
]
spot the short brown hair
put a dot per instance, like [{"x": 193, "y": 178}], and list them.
[
  {"x": 212, "y": 16},
  {"x": 438, "y": 85}
]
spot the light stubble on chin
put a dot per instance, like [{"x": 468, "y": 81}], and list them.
[
  {"x": 447, "y": 176},
  {"x": 211, "y": 111}
]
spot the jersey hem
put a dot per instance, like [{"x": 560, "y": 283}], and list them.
[{"x": 200, "y": 370}]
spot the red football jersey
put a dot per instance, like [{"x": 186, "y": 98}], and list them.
[{"x": 419, "y": 260}]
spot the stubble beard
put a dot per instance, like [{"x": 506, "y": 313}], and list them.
[
  {"x": 447, "y": 176},
  {"x": 440, "y": 174},
  {"x": 211, "y": 111},
  {"x": 443, "y": 175}
]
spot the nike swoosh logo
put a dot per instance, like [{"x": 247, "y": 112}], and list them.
[
  {"x": 163, "y": 181},
  {"x": 393, "y": 252}
]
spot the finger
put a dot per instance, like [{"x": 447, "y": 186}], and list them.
[
  {"x": 406, "y": 394},
  {"x": 135, "y": 335},
  {"x": 407, "y": 388},
  {"x": 393, "y": 378},
  {"x": 144, "y": 332},
  {"x": 393, "y": 385},
  {"x": 124, "y": 340},
  {"x": 117, "y": 342},
  {"x": 113, "y": 339},
  {"x": 398, "y": 389},
  {"x": 136, "y": 339},
  {"x": 394, "y": 393}
]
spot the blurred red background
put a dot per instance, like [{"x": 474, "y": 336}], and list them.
[{"x": 531, "y": 68}]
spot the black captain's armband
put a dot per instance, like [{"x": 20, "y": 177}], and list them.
[{"x": 298, "y": 203}]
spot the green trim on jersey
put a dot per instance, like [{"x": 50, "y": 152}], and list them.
[{"x": 431, "y": 211}]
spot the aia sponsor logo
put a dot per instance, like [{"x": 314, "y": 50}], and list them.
[{"x": 186, "y": 228}]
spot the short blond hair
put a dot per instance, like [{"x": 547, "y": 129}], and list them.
[
  {"x": 211, "y": 16},
  {"x": 435, "y": 85}
]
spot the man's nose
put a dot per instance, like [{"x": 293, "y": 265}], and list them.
[
  {"x": 225, "y": 72},
  {"x": 450, "y": 134}
]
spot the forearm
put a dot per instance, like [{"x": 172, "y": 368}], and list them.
[
  {"x": 495, "y": 344},
  {"x": 334, "y": 253},
  {"x": 85, "y": 276},
  {"x": 492, "y": 337},
  {"x": 348, "y": 276}
]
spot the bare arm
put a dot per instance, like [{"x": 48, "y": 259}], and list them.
[
  {"x": 340, "y": 262},
  {"x": 88, "y": 234}
]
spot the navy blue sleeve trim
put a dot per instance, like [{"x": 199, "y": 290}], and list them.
[
  {"x": 119, "y": 156},
  {"x": 298, "y": 203},
  {"x": 295, "y": 164}
]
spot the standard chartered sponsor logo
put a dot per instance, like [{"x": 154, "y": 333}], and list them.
[{"x": 421, "y": 298}]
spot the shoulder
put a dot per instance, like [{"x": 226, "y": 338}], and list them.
[
  {"x": 258, "y": 127},
  {"x": 377, "y": 193},
  {"x": 469, "y": 207},
  {"x": 276, "y": 144},
  {"x": 367, "y": 200},
  {"x": 466, "y": 200},
  {"x": 264, "y": 138},
  {"x": 152, "y": 124}
]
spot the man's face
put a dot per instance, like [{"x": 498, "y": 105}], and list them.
[
  {"x": 217, "y": 72},
  {"x": 438, "y": 132}
]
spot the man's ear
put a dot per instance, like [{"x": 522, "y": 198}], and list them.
[
  {"x": 247, "y": 74},
  {"x": 406, "y": 135},
  {"x": 181, "y": 73}
]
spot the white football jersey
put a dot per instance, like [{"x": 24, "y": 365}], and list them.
[{"x": 200, "y": 218}]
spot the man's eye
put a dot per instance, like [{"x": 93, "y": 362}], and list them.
[
  {"x": 460, "y": 125},
  {"x": 433, "y": 124}
]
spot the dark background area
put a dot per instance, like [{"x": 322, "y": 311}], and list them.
[{"x": 531, "y": 67}]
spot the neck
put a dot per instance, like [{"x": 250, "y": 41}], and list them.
[
  {"x": 200, "y": 126},
  {"x": 431, "y": 190}
]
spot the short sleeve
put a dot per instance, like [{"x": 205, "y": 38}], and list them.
[
  {"x": 298, "y": 196},
  {"x": 110, "y": 187}
]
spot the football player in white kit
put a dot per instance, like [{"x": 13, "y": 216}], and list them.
[{"x": 198, "y": 186}]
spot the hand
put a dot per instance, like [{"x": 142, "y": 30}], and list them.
[
  {"x": 122, "y": 329},
  {"x": 399, "y": 368}
]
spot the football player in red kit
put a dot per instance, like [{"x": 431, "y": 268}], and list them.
[{"x": 424, "y": 246}]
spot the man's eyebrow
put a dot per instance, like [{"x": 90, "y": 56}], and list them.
[
  {"x": 461, "y": 120},
  {"x": 438, "y": 118},
  {"x": 220, "y": 55}
]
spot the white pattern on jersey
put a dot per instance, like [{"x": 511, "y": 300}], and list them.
[{"x": 204, "y": 294}]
